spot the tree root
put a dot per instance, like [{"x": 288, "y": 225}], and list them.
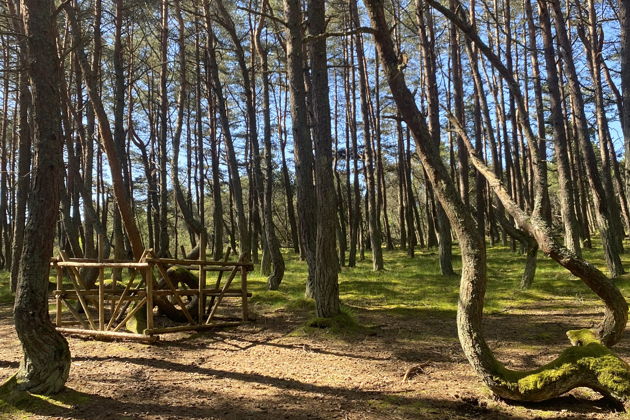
[
  {"x": 587, "y": 364},
  {"x": 178, "y": 275},
  {"x": 9, "y": 385}
]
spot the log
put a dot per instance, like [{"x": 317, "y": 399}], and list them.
[{"x": 103, "y": 335}]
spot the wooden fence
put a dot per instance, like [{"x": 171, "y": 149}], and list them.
[{"x": 88, "y": 303}]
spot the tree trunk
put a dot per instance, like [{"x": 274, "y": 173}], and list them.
[
  {"x": 565, "y": 184},
  {"x": 46, "y": 363},
  {"x": 23, "y": 183},
  {"x": 548, "y": 381},
  {"x": 273, "y": 246},
  {"x": 372, "y": 213},
  {"x": 327, "y": 266},
  {"x": 116, "y": 170},
  {"x": 306, "y": 198},
  {"x": 235, "y": 179},
  {"x": 624, "y": 21},
  {"x": 606, "y": 226}
]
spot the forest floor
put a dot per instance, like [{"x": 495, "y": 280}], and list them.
[{"x": 398, "y": 321}]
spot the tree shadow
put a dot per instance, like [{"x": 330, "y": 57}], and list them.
[
  {"x": 209, "y": 404},
  {"x": 9, "y": 364},
  {"x": 572, "y": 404}
]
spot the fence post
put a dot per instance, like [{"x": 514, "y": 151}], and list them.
[{"x": 244, "y": 292}]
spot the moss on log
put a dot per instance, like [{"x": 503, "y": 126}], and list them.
[
  {"x": 587, "y": 364},
  {"x": 138, "y": 322}
]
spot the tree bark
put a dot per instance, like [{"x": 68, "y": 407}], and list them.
[
  {"x": 372, "y": 213},
  {"x": 624, "y": 21},
  {"x": 602, "y": 212},
  {"x": 565, "y": 184},
  {"x": 116, "y": 170},
  {"x": 504, "y": 383},
  {"x": 46, "y": 362},
  {"x": 23, "y": 183},
  {"x": 327, "y": 266},
  {"x": 273, "y": 246},
  {"x": 235, "y": 179},
  {"x": 306, "y": 197}
]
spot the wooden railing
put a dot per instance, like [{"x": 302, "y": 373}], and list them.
[{"x": 103, "y": 308}]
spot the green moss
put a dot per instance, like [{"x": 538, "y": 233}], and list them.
[
  {"x": 593, "y": 359},
  {"x": 582, "y": 337},
  {"x": 179, "y": 270},
  {"x": 138, "y": 322},
  {"x": 342, "y": 325}
]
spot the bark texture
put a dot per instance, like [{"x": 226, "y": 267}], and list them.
[
  {"x": 327, "y": 266},
  {"x": 46, "y": 362}
]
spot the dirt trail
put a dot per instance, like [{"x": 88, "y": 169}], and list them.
[{"x": 262, "y": 371}]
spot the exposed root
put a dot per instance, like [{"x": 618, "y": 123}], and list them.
[{"x": 587, "y": 364}]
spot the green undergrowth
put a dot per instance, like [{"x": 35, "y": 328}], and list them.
[
  {"x": 414, "y": 287},
  {"x": 6, "y": 297}
]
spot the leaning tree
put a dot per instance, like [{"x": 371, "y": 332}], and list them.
[{"x": 588, "y": 363}]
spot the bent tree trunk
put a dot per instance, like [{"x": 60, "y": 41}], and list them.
[
  {"x": 273, "y": 245},
  {"x": 46, "y": 363},
  {"x": 115, "y": 165},
  {"x": 588, "y": 363}
]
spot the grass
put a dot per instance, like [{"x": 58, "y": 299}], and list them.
[
  {"x": 5, "y": 289},
  {"x": 415, "y": 287}
]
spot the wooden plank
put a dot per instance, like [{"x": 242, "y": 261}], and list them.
[
  {"x": 57, "y": 297},
  {"x": 201, "y": 305},
  {"x": 94, "y": 292},
  {"x": 84, "y": 305},
  {"x": 54, "y": 260},
  {"x": 173, "y": 261},
  {"x": 220, "y": 276},
  {"x": 103, "y": 264},
  {"x": 195, "y": 292},
  {"x": 130, "y": 314},
  {"x": 110, "y": 335},
  {"x": 138, "y": 293},
  {"x": 75, "y": 314},
  {"x": 220, "y": 297},
  {"x": 101, "y": 299},
  {"x": 149, "y": 291},
  {"x": 122, "y": 297},
  {"x": 244, "y": 294}
]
